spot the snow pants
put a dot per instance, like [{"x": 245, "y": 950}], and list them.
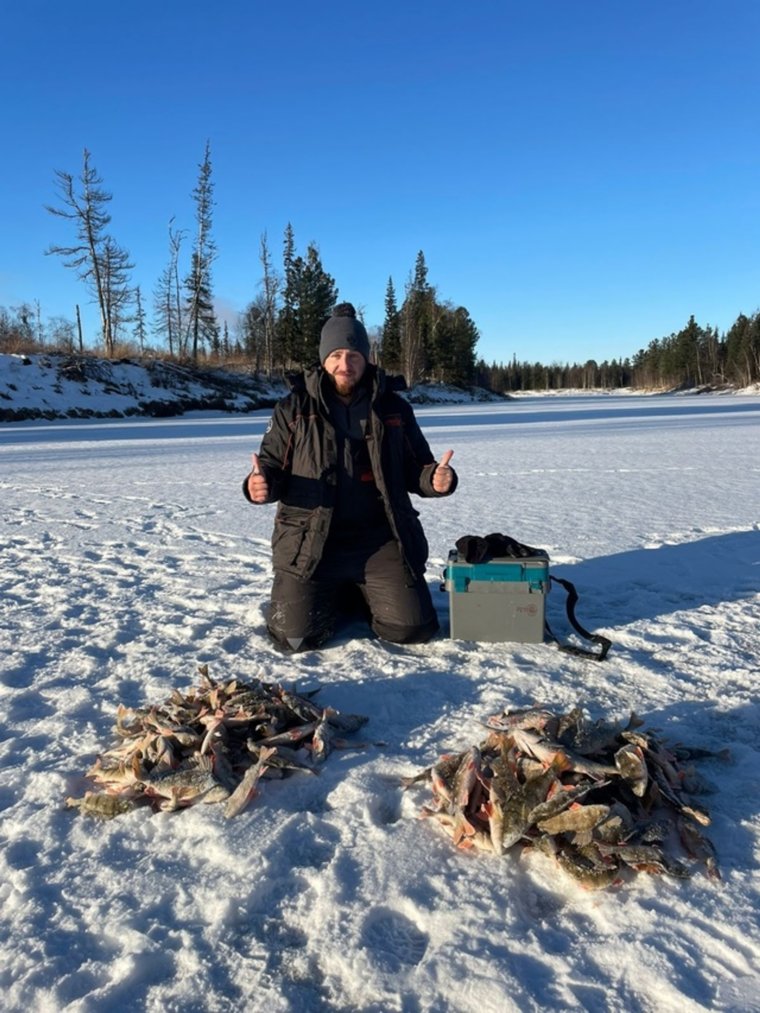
[{"x": 303, "y": 613}]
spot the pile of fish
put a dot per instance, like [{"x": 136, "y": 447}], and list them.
[
  {"x": 212, "y": 744},
  {"x": 598, "y": 797}
]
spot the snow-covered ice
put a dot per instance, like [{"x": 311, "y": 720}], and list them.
[{"x": 129, "y": 557}]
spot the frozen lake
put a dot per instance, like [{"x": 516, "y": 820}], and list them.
[{"x": 129, "y": 556}]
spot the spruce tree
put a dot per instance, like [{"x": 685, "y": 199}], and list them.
[
  {"x": 270, "y": 285},
  {"x": 309, "y": 294},
  {"x": 141, "y": 330},
  {"x": 464, "y": 337},
  {"x": 287, "y": 322},
  {"x": 318, "y": 295},
  {"x": 742, "y": 350},
  {"x": 116, "y": 291},
  {"x": 416, "y": 324},
  {"x": 391, "y": 334},
  {"x": 201, "y": 320}
]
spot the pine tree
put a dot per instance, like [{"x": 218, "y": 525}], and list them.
[
  {"x": 309, "y": 294},
  {"x": 318, "y": 294},
  {"x": 287, "y": 323},
  {"x": 201, "y": 320},
  {"x": 270, "y": 285},
  {"x": 416, "y": 324},
  {"x": 457, "y": 337},
  {"x": 743, "y": 350},
  {"x": 117, "y": 293},
  {"x": 685, "y": 358},
  {"x": 141, "y": 330},
  {"x": 391, "y": 334}
]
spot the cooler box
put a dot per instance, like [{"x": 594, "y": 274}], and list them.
[{"x": 499, "y": 600}]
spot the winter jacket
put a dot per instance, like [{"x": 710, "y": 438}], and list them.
[{"x": 298, "y": 458}]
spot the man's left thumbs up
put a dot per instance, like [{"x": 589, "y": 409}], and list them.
[{"x": 443, "y": 476}]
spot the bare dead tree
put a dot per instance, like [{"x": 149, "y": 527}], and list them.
[
  {"x": 95, "y": 256},
  {"x": 167, "y": 298}
]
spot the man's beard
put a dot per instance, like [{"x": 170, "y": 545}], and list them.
[{"x": 344, "y": 386}]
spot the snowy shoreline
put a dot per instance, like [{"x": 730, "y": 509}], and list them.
[{"x": 57, "y": 386}]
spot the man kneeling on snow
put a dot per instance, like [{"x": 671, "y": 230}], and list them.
[{"x": 340, "y": 456}]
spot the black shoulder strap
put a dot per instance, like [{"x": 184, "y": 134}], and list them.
[{"x": 595, "y": 638}]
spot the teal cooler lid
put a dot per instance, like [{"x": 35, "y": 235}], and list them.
[{"x": 533, "y": 570}]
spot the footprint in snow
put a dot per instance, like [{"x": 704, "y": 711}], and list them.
[
  {"x": 392, "y": 940},
  {"x": 742, "y": 994}
]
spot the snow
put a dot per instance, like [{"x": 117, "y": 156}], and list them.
[
  {"x": 129, "y": 557},
  {"x": 84, "y": 386}
]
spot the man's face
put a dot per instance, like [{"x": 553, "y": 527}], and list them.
[{"x": 346, "y": 368}]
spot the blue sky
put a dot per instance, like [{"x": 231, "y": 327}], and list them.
[{"x": 582, "y": 175}]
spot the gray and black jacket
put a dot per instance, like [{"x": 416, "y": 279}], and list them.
[{"x": 299, "y": 458}]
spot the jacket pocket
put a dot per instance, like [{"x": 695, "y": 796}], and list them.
[{"x": 290, "y": 532}]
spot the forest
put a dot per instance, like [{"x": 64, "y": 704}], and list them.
[
  {"x": 424, "y": 336},
  {"x": 695, "y": 356}
]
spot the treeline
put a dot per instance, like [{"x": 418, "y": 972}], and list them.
[
  {"x": 428, "y": 339},
  {"x": 519, "y": 376},
  {"x": 699, "y": 356},
  {"x": 694, "y": 357},
  {"x": 423, "y": 336}
]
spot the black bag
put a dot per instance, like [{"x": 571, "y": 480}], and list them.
[{"x": 475, "y": 549}]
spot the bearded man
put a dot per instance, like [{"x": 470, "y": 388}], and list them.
[{"x": 341, "y": 455}]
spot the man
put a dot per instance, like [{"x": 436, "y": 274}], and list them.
[{"x": 340, "y": 456}]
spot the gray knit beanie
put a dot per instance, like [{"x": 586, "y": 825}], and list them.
[{"x": 343, "y": 330}]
